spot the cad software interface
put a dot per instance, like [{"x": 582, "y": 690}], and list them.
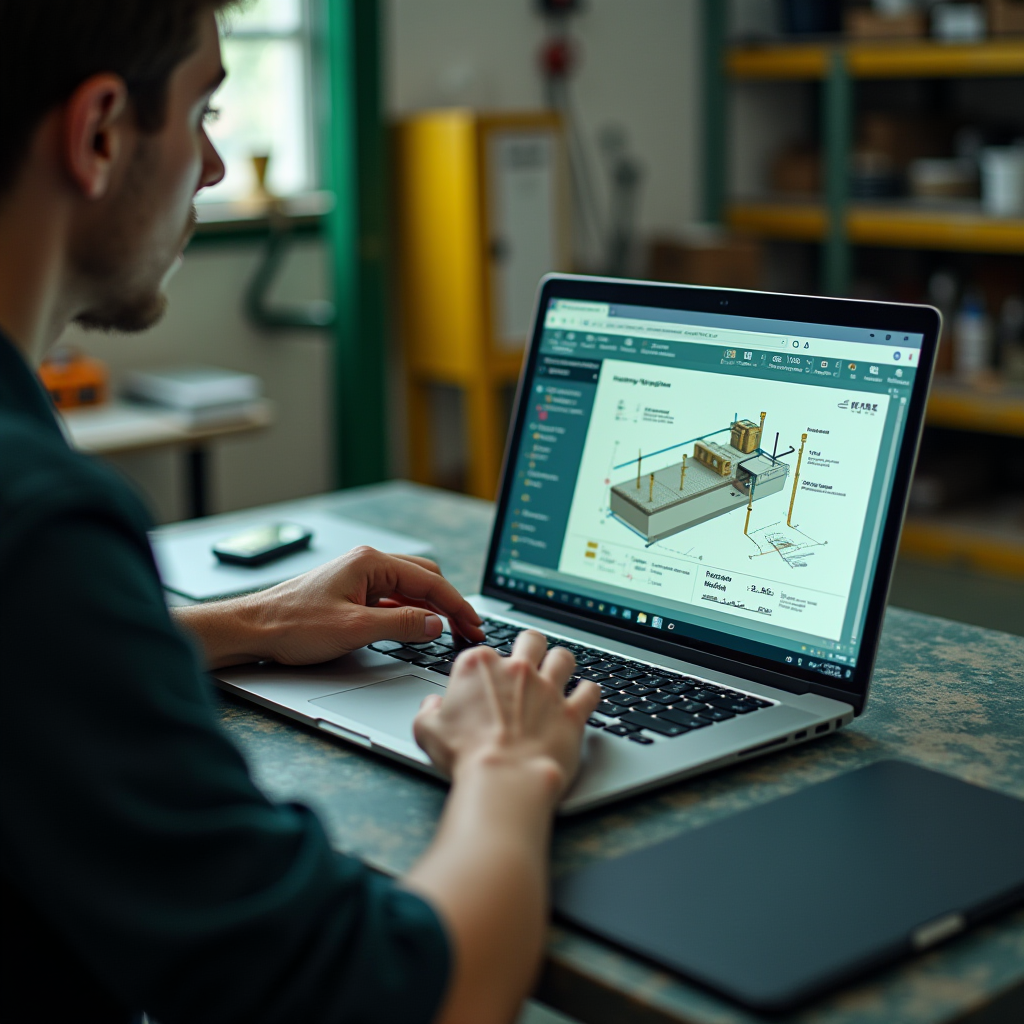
[{"x": 709, "y": 476}]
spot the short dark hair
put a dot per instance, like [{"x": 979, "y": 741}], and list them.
[{"x": 49, "y": 47}]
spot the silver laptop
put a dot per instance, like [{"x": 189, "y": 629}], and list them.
[{"x": 702, "y": 498}]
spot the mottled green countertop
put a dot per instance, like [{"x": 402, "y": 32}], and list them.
[{"x": 945, "y": 695}]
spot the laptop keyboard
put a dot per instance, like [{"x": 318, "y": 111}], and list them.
[{"x": 638, "y": 701}]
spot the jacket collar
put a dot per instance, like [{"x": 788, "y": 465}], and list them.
[{"x": 20, "y": 390}]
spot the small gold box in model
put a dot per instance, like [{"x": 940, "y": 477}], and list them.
[{"x": 745, "y": 436}]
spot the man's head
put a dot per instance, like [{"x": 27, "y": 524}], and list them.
[{"x": 102, "y": 104}]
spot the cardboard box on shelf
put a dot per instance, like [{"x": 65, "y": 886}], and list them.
[
  {"x": 1005, "y": 17},
  {"x": 708, "y": 256},
  {"x": 865, "y": 23},
  {"x": 797, "y": 171},
  {"x": 902, "y": 138}
]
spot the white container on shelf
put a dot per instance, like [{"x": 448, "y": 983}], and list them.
[
  {"x": 959, "y": 23},
  {"x": 972, "y": 336},
  {"x": 1002, "y": 180}
]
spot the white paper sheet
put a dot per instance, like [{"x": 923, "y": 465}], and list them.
[{"x": 188, "y": 566}]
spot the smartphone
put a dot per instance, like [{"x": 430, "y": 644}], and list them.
[{"x": 263, "y": 544}]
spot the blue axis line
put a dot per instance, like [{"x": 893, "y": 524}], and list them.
[{"x": 681, "y": 444}]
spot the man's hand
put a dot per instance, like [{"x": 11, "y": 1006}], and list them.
[
  {"x": 355, "y": 600},
  {"x": 510, "y": 741},
  {"x": 509, "y": 713}
]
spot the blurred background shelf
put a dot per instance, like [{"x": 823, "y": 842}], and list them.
[
  {"x": 958, "y": 227},
  {"x": 856, "y": 166},
  {"x": 982, "y": 541},
  {"x": 998, "y": 409},
  {"x": 889, "y": 59}
]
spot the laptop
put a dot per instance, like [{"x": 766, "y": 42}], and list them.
[{"x": 702, "y": 498}]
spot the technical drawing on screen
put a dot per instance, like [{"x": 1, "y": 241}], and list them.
[
  {"x": 743, "y": 495},
  {"x": 715, "y": 479}
]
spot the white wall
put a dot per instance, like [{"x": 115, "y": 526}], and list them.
[{"x": 640, "y": 69}]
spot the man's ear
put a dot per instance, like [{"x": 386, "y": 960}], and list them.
[{"x": 95, "y": 126}]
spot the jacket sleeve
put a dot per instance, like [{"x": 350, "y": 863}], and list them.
[{"x": 131, "y": 822}]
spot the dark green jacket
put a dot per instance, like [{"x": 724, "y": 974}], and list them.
[{"x": 140, "y": 868}]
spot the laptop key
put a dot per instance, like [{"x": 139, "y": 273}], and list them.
[
  {"x": 616, "y": 683},
  {"x": 638, "y": 690},
  {"x": 659, "y": 725},
  {"x": 608, "y": 665},
  {"x": 444, "y": 667},
  {"x": 386, "y": 646},
  {"x": 688, "y": 721},
  {"x": 624, "y": 699},
  {"x": 716, "y": 714},
  {"x": 595, "y": 722},
  {"x": 734, "y": 707},
  {"x": 426, "y": 660},
  {"x": 663, "y": 698},
  {"x": 595, "y": 674},
  {"x": 648, "y": 680},
  {"x": 406, "y": 655},
  {"x": 628, "y": 673},
  {"x": 639, "y": 737},
  {"x": 621, "y": 730},
  {"x": 610, "y": 710},
  {"x": 675, "y": 688},
  {"x": 647, "y": 708},
  {"x": 689, "y": 707}
]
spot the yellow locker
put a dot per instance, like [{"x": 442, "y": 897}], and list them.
[{"x": 482, "y": 214}]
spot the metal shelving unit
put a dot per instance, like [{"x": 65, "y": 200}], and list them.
[{"x": 994, "y": 542}]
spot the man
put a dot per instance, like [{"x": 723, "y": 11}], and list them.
[{"x": 140, "y": 870}]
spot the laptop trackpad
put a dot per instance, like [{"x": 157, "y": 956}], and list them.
[{"x": 388, "y": 707}]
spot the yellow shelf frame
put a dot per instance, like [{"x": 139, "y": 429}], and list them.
[
  {"x": 891, "y": 59},
  {"x": 1000, "y": 552},
  {"x": 959, "y": 407},
  {"x": 892, "y": 226}
]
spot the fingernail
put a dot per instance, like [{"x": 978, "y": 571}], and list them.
[{"x": 432, "y": 625}]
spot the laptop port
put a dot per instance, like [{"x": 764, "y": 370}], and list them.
[
  {"x": 820, "y": 729},
  {"x": 802, "y": 735}
]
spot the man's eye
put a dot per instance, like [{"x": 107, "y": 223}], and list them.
[{"x": 211, "y": 114}]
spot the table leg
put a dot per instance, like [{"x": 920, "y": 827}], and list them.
[{"x": 197, "y": 481}]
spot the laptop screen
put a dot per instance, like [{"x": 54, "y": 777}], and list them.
[{"x": 708, "y": 476}]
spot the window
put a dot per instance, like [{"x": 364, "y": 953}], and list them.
[{"x": 265, "y": 104}]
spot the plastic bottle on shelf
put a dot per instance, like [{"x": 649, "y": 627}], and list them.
[{"x": 972, "y": 336}]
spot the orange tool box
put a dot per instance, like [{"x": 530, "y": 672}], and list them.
[{"x": 74, "y": 379}]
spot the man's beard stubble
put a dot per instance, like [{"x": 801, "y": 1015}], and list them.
[{"x": 128, "y": 281}]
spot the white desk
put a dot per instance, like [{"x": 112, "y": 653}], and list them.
[{"x": 119, "y": 427}]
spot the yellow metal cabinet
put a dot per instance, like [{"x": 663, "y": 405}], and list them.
[{"x": 482, "y": 214}]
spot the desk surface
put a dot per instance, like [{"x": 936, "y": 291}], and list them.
[
  {"x": 129, "y": 426},
  {"x": 946, "y": 695}
]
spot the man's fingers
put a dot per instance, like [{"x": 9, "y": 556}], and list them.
[
  {"x": 427, "y": 563},
  {"x": 531, "y": 646},
  {"x": 425, "y": 733},
  {"x": 405, "y": 623},
  {"x": 584, "y": 699},
  {"x": 401, "y": 576},
  {"x": 558, "y": 666}
]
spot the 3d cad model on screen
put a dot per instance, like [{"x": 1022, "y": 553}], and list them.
[{"x": 716, "y": 479}]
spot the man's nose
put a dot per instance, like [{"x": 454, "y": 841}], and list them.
[{"x": 213, "y": 165}]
